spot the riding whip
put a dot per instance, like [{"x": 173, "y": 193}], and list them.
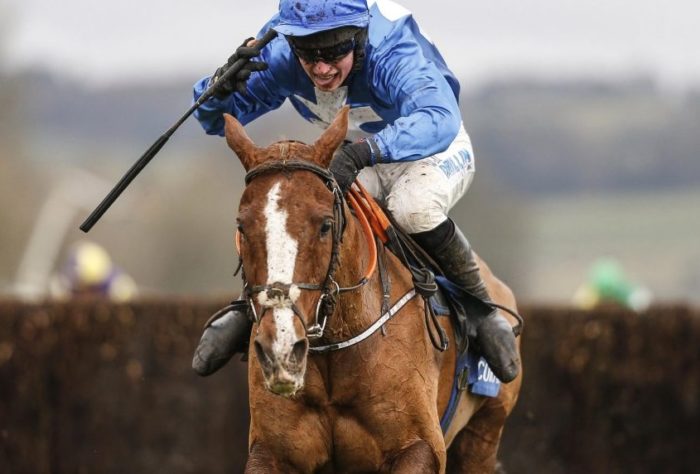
[{"x": 158, "y": 144}]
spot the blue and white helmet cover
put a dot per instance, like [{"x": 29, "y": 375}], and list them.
[{"x": 302, "y": 18}]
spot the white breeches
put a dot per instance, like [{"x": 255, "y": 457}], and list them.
[{"x": 418, "y": 194}]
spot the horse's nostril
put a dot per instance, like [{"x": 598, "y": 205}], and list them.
[
  {"x": 263, "y": 358},
  {"x": 299, "y": 349}
]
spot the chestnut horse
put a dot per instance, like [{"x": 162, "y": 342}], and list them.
[{"x": 374, "y": 406}]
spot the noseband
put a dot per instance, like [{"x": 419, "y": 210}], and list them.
[{"x": 329, "y": 288}]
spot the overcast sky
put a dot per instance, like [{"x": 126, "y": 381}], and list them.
[{"x": 103, "y": 42}]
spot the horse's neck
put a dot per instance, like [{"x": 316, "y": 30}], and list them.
[{"x": 358, "y": 308}]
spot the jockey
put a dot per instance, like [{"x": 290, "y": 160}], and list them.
[
  {"x": 90, "y": 272},
  {"x": 407, "y": 146}
]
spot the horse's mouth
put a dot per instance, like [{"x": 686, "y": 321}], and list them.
[
  {"x": 284, "y": 388},
  {"x": 283, "y": 380}
]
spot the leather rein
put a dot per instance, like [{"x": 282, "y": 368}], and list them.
[{"x": 330, "y": 289}]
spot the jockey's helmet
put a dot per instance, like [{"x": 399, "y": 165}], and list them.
[
  {"x": 89, "y": 264},
  {"x": 325, "y": 30},
  {"x": 307, "y": 17}
]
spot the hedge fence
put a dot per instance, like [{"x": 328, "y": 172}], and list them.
[{"x": 92, "y": 387}]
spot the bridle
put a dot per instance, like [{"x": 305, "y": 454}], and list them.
[{"x": 330, "y": 289}]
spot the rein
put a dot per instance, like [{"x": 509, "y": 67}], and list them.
[{"x": 329, "y": 289}]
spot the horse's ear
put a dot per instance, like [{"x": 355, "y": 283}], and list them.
[
  {"x": 332, "y": 137},
  {"x": 240, "y": 142}
]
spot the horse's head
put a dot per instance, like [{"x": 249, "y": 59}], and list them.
[{"x": 289, "y": 223}]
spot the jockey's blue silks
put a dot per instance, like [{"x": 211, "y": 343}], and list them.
[{"x": 404, "y": 95}]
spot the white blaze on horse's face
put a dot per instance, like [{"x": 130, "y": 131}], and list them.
[
  {"x": 285, "y": 377},
  {"x": 281, "y": 252}
]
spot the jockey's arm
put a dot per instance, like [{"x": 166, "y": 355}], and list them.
[
  {"x": 430, "y": 116},
  {"x": 265, "y": 92}
]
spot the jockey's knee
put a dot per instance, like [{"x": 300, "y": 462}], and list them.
[{"x": 414, "y": 213}]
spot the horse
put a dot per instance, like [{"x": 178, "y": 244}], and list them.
[{"x": 375, "y": 405}]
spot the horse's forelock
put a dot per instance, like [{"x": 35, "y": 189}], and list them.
[{"x": 286, "y": 150}]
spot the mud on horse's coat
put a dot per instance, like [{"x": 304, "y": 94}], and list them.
[{"x": 375, "y": 406}]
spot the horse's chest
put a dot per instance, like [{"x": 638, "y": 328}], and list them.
[
  {"x": 372, "y": 418},
  {"x": 355, "y": 445}
]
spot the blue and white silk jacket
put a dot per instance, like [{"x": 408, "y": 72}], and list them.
[{"x": 404, "y": 95}]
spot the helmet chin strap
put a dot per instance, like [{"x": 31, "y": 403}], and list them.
[{"x": 359, "y": 53}]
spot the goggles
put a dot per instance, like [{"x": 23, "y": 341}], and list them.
[{"x": 329, "y": 55}]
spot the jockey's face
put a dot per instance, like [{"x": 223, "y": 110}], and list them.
[{"x": 329, "y": 76}]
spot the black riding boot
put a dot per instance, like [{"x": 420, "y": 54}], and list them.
[
  {"x": 226, "y": 333},
  {"x": 494, "y": 335}
]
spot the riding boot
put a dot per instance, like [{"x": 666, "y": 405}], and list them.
[
  {"x": 226, "y": 333},
  {"x": 494, "y": 335}
]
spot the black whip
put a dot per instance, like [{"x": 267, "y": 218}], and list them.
[{"x": 158, "y": 144}]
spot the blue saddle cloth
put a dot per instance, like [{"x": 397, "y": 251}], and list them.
[{"x": 472, "y": 373}]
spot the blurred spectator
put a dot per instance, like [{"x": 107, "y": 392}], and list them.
[
  {"x": 608, "y": 284},
  {"x": 89, "y": 271}
]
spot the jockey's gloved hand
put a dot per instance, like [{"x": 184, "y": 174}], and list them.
[
  {"x": 238, "y": 81},
  {"x": 349, "y": 160}
]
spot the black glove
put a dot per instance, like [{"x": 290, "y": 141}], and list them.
[
  {"x": 238, "y": 80},
  {"x": 348, "y": 161}
]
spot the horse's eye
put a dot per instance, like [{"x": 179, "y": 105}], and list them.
[
  {"x": 326, "y": 226},
  {"x": 239, "y": 226}
]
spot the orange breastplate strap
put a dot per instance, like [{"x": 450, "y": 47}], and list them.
[{"x": 375, "y": 215}]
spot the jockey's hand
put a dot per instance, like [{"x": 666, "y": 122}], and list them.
[
  {"x": 348, "y": 161},
  {"x": 247, "y": 50}
]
